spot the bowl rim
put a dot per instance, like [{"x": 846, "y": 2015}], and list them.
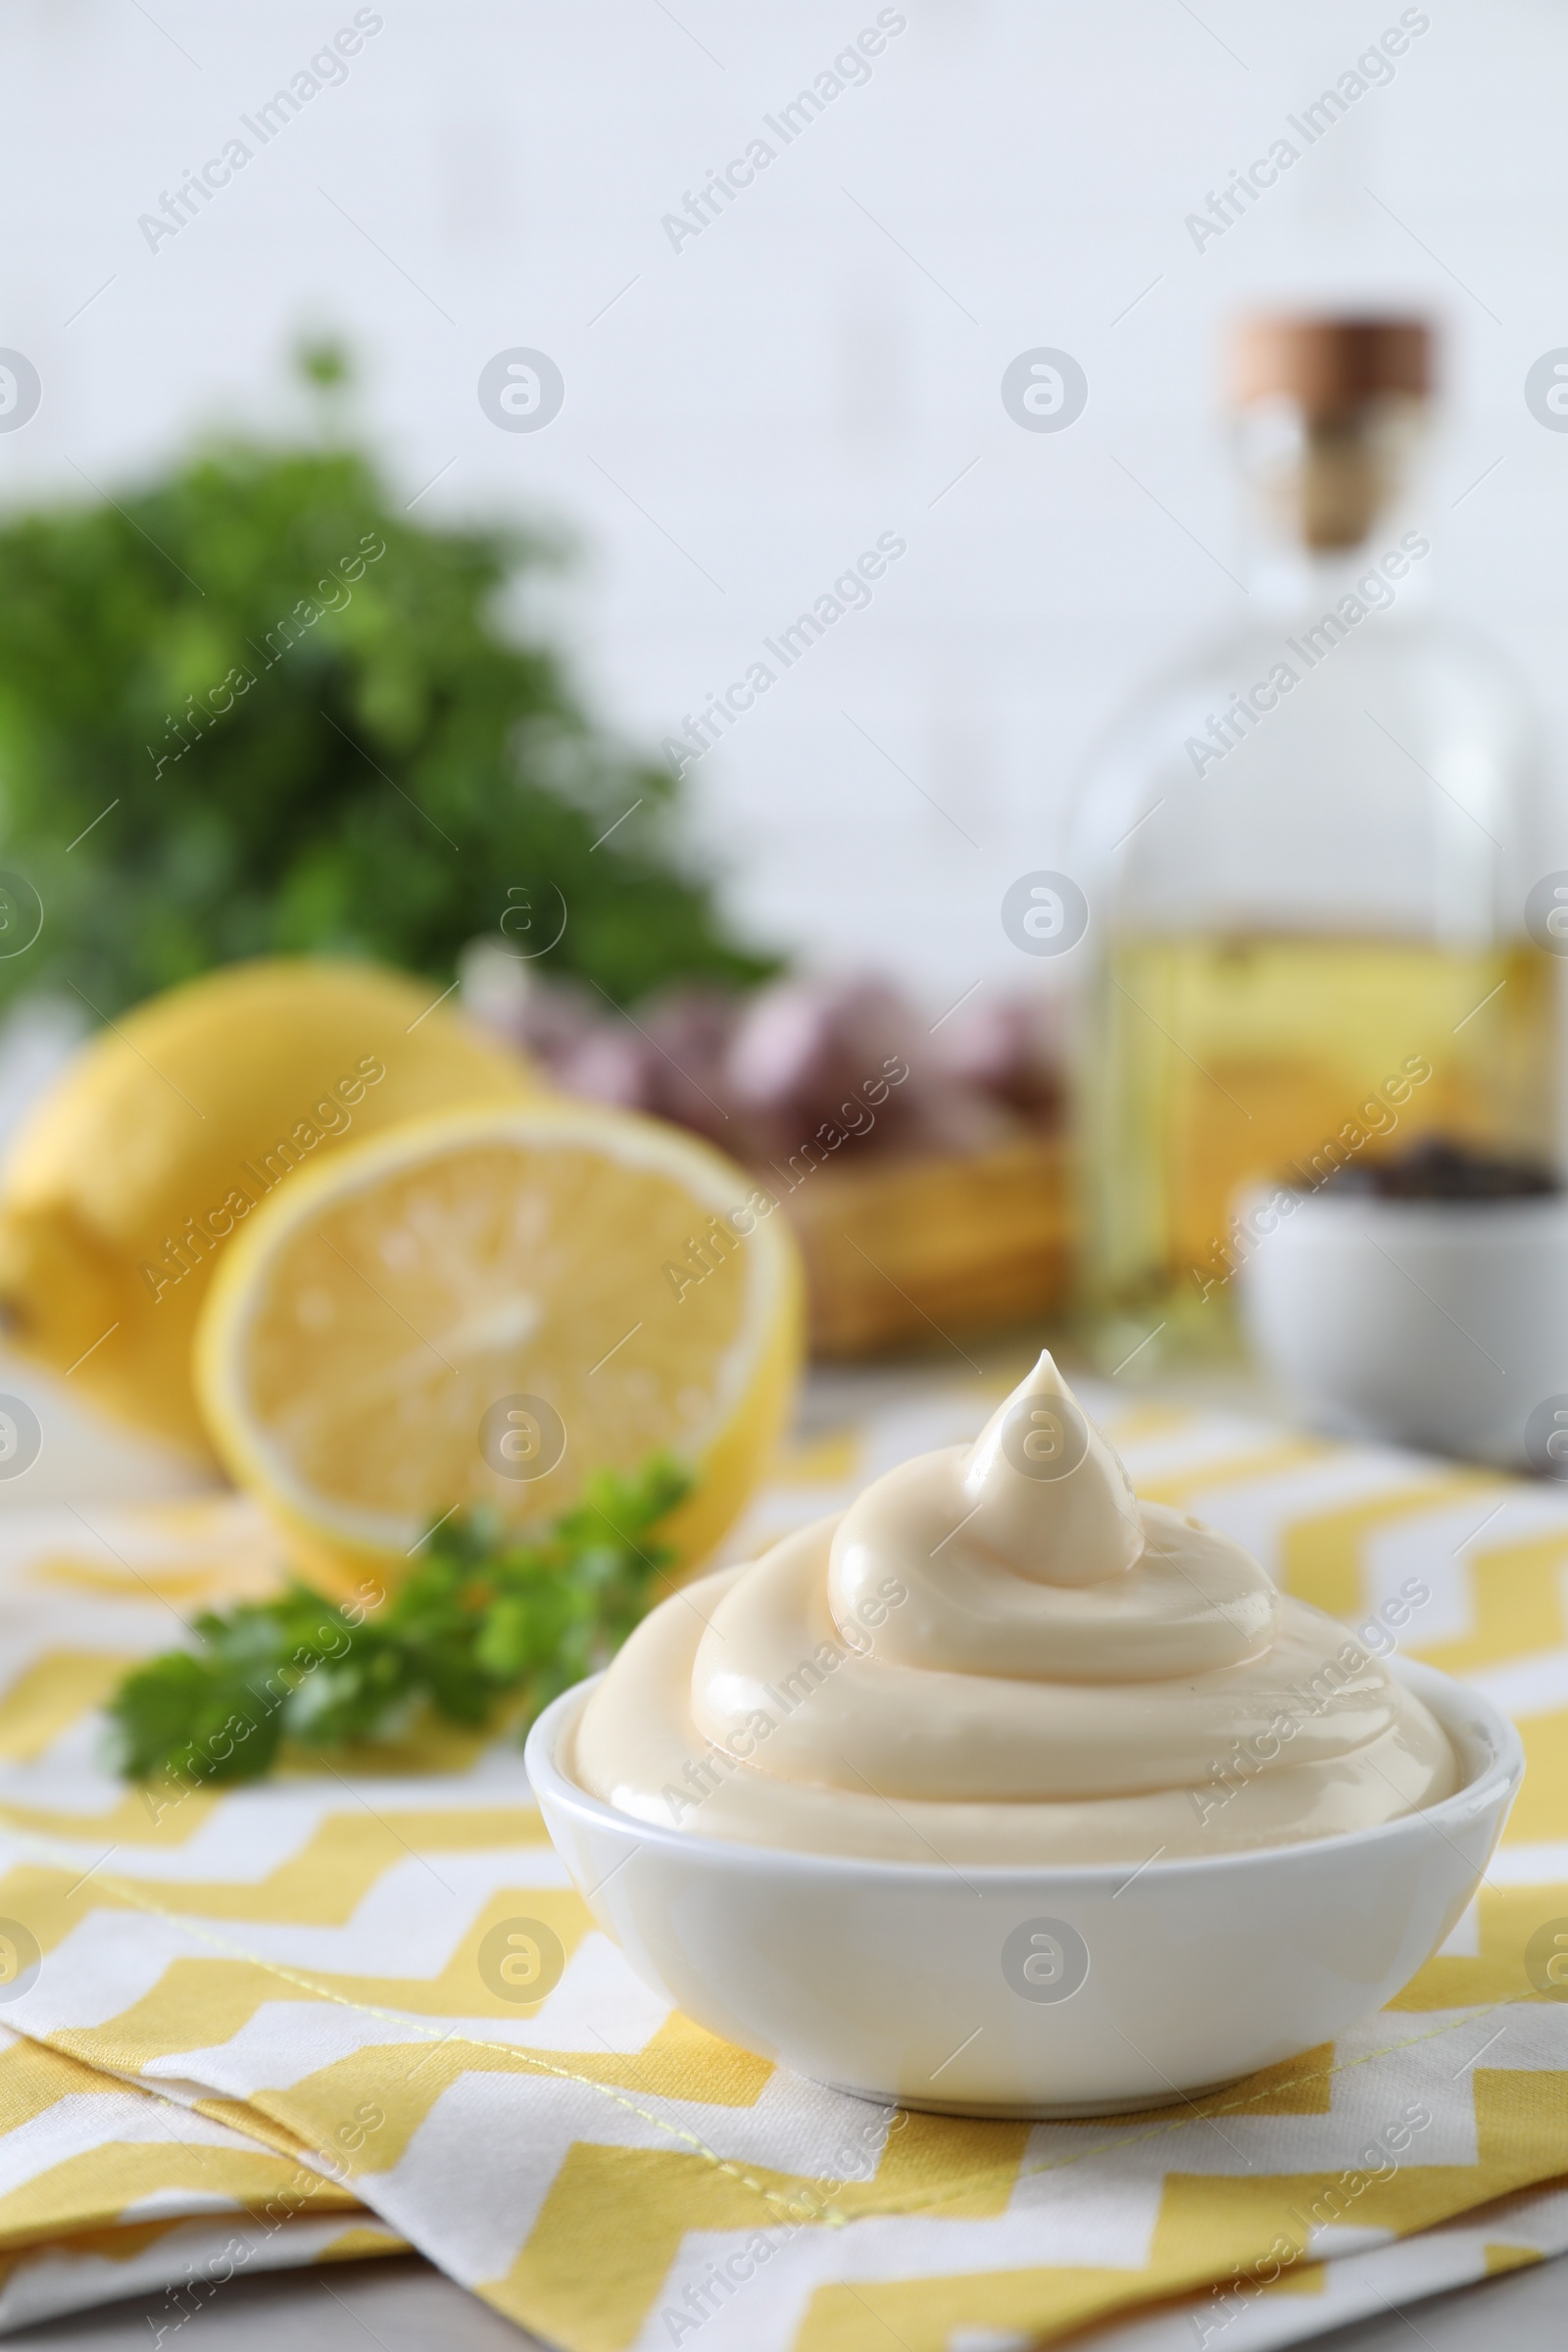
[
  {"x": 1471, "y": 1218},
  {"x": 1497, "y": 1780}
]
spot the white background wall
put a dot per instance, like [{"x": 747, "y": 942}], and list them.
[{"x": 820, "y": 364}]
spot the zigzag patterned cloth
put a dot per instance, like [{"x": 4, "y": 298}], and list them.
[{"x": 260, "y": 2029}]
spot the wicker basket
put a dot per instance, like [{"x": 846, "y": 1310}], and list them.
[{"x": 898, "y": 1247}]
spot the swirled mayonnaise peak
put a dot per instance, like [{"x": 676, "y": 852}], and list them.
[{"x": 998, "y": 1655}]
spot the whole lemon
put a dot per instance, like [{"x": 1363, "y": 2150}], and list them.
[{"x": 168, "y": 1128}]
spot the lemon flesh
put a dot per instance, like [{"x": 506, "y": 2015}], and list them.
[{"x": 484, "y": 1308}]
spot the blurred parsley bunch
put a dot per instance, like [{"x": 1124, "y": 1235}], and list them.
[
  {"x": 318, "y": 734},
  {"x": 484, "y": 1616}
]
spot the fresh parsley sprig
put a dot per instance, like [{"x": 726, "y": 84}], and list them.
[{"x": 485, "y": 1615}]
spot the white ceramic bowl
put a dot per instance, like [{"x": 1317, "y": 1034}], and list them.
[
  {"x": 1433, "y": 1323},
  {"x": 1034, "y": 1992}
]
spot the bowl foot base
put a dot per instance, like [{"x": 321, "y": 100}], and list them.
[{"x": 1037, "y": 2111}]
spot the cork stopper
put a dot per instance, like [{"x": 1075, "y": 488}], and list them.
[{"x": 1331, "y": 367}]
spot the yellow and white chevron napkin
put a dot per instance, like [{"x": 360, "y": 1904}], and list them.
[{"x": 261, "y": 2028}]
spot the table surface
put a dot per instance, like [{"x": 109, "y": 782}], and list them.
[
  {"x": 405, "y": 2306},
  {"x": 405, "y": 2303}
]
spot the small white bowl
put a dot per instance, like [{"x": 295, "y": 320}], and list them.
[
  {"x": 1431, "y": 1323},
  {"x": 1001, "y": 1991}
]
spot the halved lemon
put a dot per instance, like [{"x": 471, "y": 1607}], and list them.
[{"x": 485, "y": 1306}]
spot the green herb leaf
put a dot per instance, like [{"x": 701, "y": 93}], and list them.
[
  {"x": 485, "y": 1615},
  {"x": 253, "y": 706}
]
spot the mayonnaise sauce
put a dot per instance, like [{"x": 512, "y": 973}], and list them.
[{"x": 998, "y": 1655}]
